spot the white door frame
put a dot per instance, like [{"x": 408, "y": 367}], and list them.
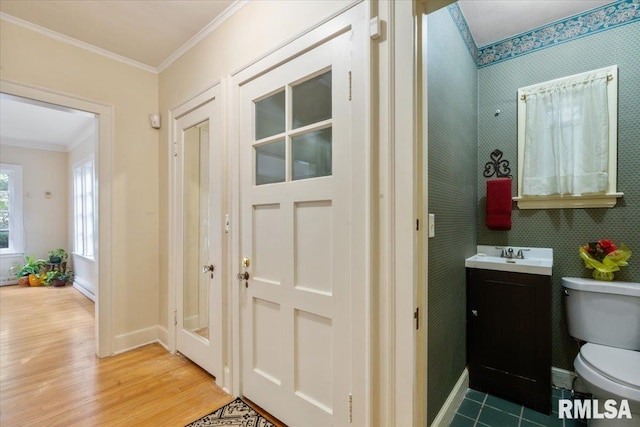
[
  {"x": 356, "y": 19},
  {"x": 212, "y": 94},
  {"x": 104, "y": 162}
]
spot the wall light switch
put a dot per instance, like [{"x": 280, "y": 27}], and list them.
[{"x": 432, "y": 225}]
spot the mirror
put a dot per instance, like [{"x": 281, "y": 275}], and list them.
[{"x": 196, "y": 230}]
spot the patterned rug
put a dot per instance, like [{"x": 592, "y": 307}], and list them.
[{"x": 236, "y": 413}]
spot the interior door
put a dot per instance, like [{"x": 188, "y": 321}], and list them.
[
  {"x": 295, "y": 206},
  {"x": 198, "y": 311}
]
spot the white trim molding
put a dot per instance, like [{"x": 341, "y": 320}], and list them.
[
  {"x": 449, "y": 407},
  {"x": 84, "y": 288},
  {"x": 208, "y": 29},
  {"x": 75, "y": 42},
  {"x": 204, "y": 32},
  {"x": 140, "y": 338}
]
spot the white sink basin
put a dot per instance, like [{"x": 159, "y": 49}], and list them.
[{"x": 535, "y": 261}]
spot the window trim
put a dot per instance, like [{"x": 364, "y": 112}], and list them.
[
  {"x": 604, "y": 200},
  {"x": 80, "y": 166},
  {"x": 16, "y": 210}
]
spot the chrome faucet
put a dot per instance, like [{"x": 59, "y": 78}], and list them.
[{"x": 509, "y": 253}]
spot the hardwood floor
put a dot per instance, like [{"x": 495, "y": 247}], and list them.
[{"x": 50, "y": 376}]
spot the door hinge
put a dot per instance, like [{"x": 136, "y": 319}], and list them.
[
  {"x": 349, "y": 85},
  {"x": 175, "y": 317},
  {"x": 417, "y": 224},
  {"x": 416, "y": 315},
  {"x": 350, "y": 408},
  {"x": 175, "y": 149}
]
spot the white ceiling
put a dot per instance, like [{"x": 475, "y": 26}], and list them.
[
  {"x": 152, "y": 33},
  {"x": 494, "y": 20},
  {"x": 145, "y": 31},
  {"x": 34, "y": 124}
]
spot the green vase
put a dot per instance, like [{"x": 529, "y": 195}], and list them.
[{"x": 602, "y": 275}]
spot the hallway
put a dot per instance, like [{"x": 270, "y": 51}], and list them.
[{"x": 49, "y": 374}]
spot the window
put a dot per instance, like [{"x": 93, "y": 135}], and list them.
[
  {"x": 83, "y": 208},
  {"x": 294, "y": 139},
  {"x": 567, "y": 142},
  {"x": 11, "y": 229}
]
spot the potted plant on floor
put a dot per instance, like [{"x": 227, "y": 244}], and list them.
[
  {"x": 58, "y": 256},
  {"x": 31, "y": 270}
]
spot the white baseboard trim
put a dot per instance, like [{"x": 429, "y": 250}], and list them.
[
  {"x": 562, "y": 378},
  {"x": 84, "y": 288},
  {"x": 163, "y": 337},
  {"x": 227, "y": 380},
  {"x": 567, "y": 380},
  {"x": 448, "y": 410},
  {"x": 132, "y": 340},
  {"x": 6, "y": 281}
]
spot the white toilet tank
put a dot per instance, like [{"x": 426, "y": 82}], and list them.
[{"x": 606, "y": 313}]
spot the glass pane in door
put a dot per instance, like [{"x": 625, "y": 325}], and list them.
[
  {"x": 270, "y": 165},
  {"x": 270, "y": 118},
  {"x": 311, "y": 101},
  {"x": 311, "y": 154},
  {"x": 195, "y": 308}
]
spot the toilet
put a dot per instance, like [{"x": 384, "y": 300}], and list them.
[{"x": 606, "y": 316}]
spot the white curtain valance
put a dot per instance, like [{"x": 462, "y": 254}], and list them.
[{"x": 567, "y": 136}]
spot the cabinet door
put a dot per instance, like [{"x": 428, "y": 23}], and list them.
[{"x": 509, "y": 336}]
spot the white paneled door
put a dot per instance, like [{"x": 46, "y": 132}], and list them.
[
  {"x": 296, "y": 183},
  {"x": 199, "y": 218}
]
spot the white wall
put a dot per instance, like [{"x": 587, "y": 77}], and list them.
[
  {"x": 34, "y": 59},
  {"x": 85, "y": 270},
  {"x": 225, "y": 50},
  {"x": 45, "y": 219}
]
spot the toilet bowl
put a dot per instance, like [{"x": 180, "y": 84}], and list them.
[{"x": 607, "y": 317}]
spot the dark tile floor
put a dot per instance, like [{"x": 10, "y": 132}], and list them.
[{"x": 483, "y": 410}]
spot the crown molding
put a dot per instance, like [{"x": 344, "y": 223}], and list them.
[
  {"x": 211, "y": 27},
  {"x": 35, "y": 145},
  {"x": 86, "y": 132},
  {"x": 77, "y": 43}
]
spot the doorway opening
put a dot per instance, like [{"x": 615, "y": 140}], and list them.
[{"x": 84, "y": 194}]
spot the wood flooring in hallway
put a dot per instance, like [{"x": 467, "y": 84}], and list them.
[{"x": 50, "y": 376}]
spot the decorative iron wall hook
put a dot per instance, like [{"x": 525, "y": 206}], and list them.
[{"x": 497, "y": 166}]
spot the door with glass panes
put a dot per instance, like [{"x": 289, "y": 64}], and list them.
[{"x": 295, "y": 157}]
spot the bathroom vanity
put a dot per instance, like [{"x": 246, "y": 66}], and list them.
[{"x": 509, "y": 327}]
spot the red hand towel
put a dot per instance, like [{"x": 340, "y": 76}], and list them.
[{"x": 499, "y": 204}]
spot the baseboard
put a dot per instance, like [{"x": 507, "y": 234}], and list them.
[
  {"x": 448, "y": 410},
  {"x": 567, "y": 380},
  {"x": 6, "y": 281},
  {"x": 227, "y": 380},
  {"x": 132, "y": 340},
  {"x": 84, "y": 288},
  {"x": 163, "y": 337}
]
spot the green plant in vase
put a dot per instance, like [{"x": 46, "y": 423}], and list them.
[
  {"x": 57, "y": 256},
  {"x": 50, "y": 277},
  {"x": 29, "y": 272}
]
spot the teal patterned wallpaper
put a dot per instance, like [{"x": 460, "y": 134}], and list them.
[
  {"x": 452, "y": 150},
  {"x": 565, "y": 230}
]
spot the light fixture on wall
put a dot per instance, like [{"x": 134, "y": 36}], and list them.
[{"x": 155, "y": 120}]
